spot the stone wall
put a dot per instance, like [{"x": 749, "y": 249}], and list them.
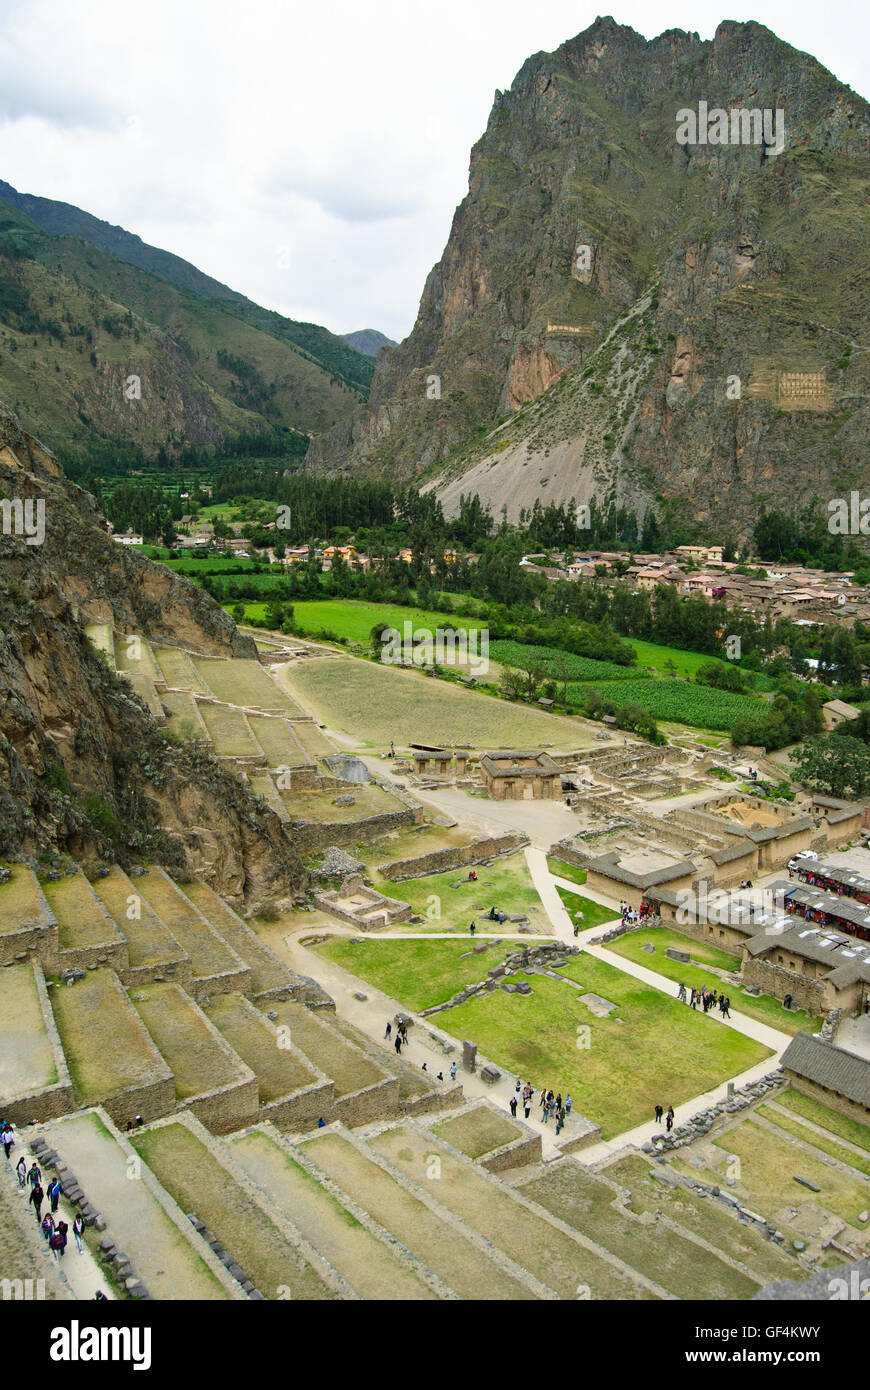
[
  {"x": 151, "y": 1100},
  {"x": 517, "y": 1154},
  {"x": 308, "y": 836},
  {"x": 456, "y": 857},
  {"x": 376, "y": 1102},
  {"x": 230, "y": 982},
  {"x": 850, "y": 1108},
  {"x": 778, "y": 981},
  {"x": 230, "y": 1107},
  {"x": 299, "y": 1112}
]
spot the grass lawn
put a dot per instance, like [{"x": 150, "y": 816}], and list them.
[
  {"x": 378, "y": 703},
  {"x": 659, "y": 1051},
  {"x": 654, "y": 654},
  {"x": 563, "y": 870},
  {"x": 767, "y": 1173},
  {"x": 650, "y": 1049},
  {"x": 593, "y": 913},
  {"x": 418, "y": 974},
  {"x": 761, "y": 1007},
  {"x": 506, "y": 885},
  {"x": 821, "y": 1114},
  {"x": 828, "y": 1146}
]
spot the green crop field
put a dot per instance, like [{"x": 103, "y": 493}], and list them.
[
  {"x": 557, "y": 663},
  {"x": 680, "y": 700},
  {"x": 354, "y": 619}
]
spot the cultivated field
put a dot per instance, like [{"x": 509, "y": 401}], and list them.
[
  {"x": 379, "y": 703},
  {"x": 175, "y": 1023},
  {"x": 208, "y": 954},
  {"x": 697, "y": 705},
  {"x": 185, "y": 720},
  {"x": 354, "y": 618},
  {"x": 148, "y": 939}
]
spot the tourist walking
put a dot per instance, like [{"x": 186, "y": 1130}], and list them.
[
  {"x": 47, "y": 1226},
  {"x": 21, "y": 1170},
  {"x": 78, "y": 1232},
  {"x": 8, "y": 1138},
  {"x": 398, "y": 1043},
  {"x": 512, "y": 1105},
  {"x": 568, "y": 1103},
  {"x": 389, "y": 1029},
  {"x": 726, "y": 1006},
  {"x": 34, "y": 1176},
  {"x": 453, "y": 1071},
  {"x": 52, "y": 1192},
  {"x": 57, "y": 1240},
  {"x": 669, "y": 1119},
  {"x": 681, "y": 994},
  {"x": 472, "y": 928},
  {"x": 659, "y": 1113}
]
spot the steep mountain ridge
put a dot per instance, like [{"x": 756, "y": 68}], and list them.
[
  {"x": 83, "y": 767},
  {"x": 84, "y": 306},
  {"x": 618, "y": 313}
]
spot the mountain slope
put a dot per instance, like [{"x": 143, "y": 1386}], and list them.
[
  {"x": 77, "y": 322},
  {"x": 83, "y": 767},
  {"x": 679, "y": 268},
  {"x": 368, "y": 341}
]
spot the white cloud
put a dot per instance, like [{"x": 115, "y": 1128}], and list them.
[{"x": 309, "y": 156}]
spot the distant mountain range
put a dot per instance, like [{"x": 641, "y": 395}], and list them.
[
  {"x": 626, "y": 309},
  {"x": 368, "y": 341},
  {"x": 90, "y": 315}
]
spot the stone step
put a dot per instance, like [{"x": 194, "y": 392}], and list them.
[
  {"x": 453, "y": 1251},
  {"x": 210, "y": 1078},
  {"x": 548, "y": 1249},
  {"x": 142, "y": 1220},
  {"x": 269, "y": 974},
  {"x": 111, "y": 1057},
  {"x": 86, "y": 933},
  {"x": 377, "y": 1266},
  {"x": 215, "y": 966},
  {"x": 673, "y": 1261},
  {"x": 419, "y": 1092},
  {"x": 294, "y": 1095},
  {"x": 266, "y": 1250},
  {"x": 364, "y": 1090},
  {"x": 152, "y": 949}
]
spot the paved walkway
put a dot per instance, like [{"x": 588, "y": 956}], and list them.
[{"x": 82, "y": 1273}]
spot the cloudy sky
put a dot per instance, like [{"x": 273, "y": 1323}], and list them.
[{"x": 310, "y": 155}]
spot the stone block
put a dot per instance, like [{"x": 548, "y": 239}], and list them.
[{"x": 490, "y": 1074}]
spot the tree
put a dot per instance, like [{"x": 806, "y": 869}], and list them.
[
  {"x": 239, "y": 612},
  {"x": 838, "y": 766}
]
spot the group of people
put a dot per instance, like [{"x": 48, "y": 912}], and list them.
[
  {"x": 708, "y": 999},
  {"x": 747, "y": 884},
  {"x": 550, "y": 1104},
  {"x": 631, "y": 915},
  {"x": 401, "y": 1040},
  {"x": 669, "y": 1118},
  {"x": 54, "y": 1229}
]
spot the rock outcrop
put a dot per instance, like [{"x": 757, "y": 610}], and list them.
[
  {"x": 617, "y": 313},
  {"x": 84, "y": 769}
]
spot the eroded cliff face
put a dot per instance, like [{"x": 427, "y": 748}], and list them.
[
  {"x": 83, "y": 767},
  {"x": 620, "y": 312}
]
